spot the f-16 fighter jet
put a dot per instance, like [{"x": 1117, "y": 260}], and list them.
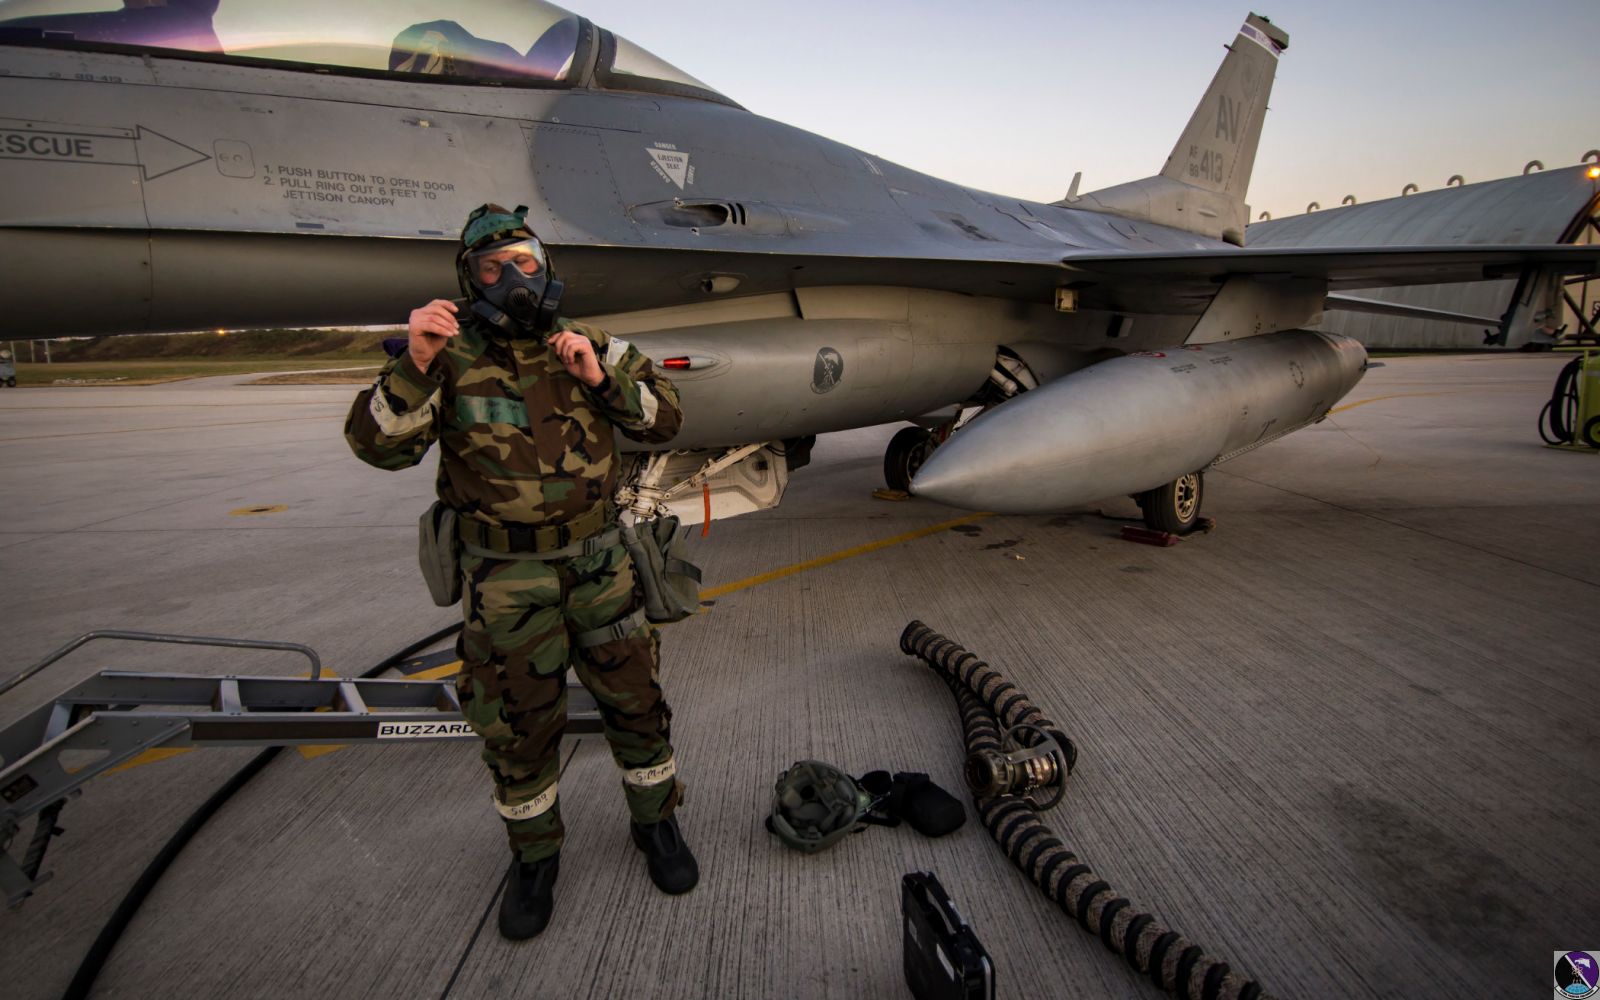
[{"x": 193, "y": 164}]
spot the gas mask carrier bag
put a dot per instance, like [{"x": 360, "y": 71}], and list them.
[
  {"x": 439, "y": 554},
  {"x": 671, "y": 583}
]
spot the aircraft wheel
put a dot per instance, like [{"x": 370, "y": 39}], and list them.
[
  {"x": 12, "y": 382},
  {"x": 1175, "y": 507},
  {"x": 907, "y": 450},
  {"x": 1591, "y": 432}
]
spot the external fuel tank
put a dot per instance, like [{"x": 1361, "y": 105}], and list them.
[{"x": 1135, "y": 422}]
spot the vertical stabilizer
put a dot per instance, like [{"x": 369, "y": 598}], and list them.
[
  {"x": 1218, "y": 148},
  {"x": 1202, "y": 187}
]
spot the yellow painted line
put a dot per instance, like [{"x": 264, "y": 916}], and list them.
[
  {"x": 314, "y": 750},
  {"x": 435, "y": 673},
  {"x": 164, "y": 406},
  {"x": 151, "y": 757},
  {"x": 259, "y": 509},
  {"x": 444, "y": 670},
  {"x": 152, "y": 430},
  {"x": 1396, "y": 395},
  {"x": 1403, "y": 395},
  {"x": 859, "y": 550}
]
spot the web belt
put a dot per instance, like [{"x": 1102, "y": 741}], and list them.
[
  {"x": 547, "y": 543},
  {"x": 618, "y": 629},
  {"x": 584, "y": 535}
]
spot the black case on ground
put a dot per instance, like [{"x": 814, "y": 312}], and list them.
[{"x": 943, "y": 959}]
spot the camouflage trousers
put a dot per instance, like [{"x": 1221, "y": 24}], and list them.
[{"x": 520, "y": 618}]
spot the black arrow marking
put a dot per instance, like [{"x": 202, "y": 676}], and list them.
[
  {"x": 155, "y": 154},
  {"x": 199, "y": 157}
]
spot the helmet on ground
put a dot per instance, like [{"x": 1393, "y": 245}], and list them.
[{"x": 814, "y": 805}]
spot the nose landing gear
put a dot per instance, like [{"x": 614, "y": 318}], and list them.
[{"x": 907, "y": 450}]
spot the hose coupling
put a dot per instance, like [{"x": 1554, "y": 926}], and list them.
[{"x": 1035, "y": 769}]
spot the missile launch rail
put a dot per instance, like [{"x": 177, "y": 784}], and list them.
[{"x": 108, "y": 719}]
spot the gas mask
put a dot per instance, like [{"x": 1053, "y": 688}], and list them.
[{"x": 517, "y": 293}]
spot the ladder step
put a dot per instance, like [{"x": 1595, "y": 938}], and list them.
[
  {"x": 228, "y": 701},
  {"x": 350, "y": 699},
  {"x": 449, "y": 701},
  {"x": 121, "y": 714}
]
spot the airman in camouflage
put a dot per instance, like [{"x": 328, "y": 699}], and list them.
[{"x": 525, "y": 421}]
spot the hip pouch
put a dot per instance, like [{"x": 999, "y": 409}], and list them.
[
  {"x": 439, "y": 554},
  {"x": 671, "y": 583}
]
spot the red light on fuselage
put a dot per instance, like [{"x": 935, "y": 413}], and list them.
[{"x": 675, "y": 363}]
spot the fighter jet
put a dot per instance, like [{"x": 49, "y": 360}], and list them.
[{"x": 199, "y": 164}]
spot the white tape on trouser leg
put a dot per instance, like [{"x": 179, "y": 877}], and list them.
[
  {"x": 536, "y": 806},
  {"x": 655, "y": 774}
]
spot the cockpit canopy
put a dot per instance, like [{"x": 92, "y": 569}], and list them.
[{"x": 505, "y": 42}]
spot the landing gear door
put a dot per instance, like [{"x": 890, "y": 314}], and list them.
[{"x": 753, "y": 482}]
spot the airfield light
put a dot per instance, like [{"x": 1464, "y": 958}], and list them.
[{"x": 222, "y": 333}]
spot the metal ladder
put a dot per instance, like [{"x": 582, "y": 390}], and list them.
[{"x": 114, "y": 716}]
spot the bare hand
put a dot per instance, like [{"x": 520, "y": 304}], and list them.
[
  {"x": 430, "y": 328},
  {"x": 577, "y": 353}
]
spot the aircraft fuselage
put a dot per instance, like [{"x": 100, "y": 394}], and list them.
[
  {"x": 195, "y": 194},
  {"x": 646, "y": 200}
]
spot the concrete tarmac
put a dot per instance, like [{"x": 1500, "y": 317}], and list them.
[{"x": 1346, "y": 742}]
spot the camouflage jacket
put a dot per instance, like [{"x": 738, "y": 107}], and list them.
[{"x": 521, "y": 440}]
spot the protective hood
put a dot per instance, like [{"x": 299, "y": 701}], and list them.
[{"x": 505, "y": 274}]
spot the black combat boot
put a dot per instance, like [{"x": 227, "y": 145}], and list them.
[
  {"x": 672, "y": 865},
  {"x": 529, "y": 897}
]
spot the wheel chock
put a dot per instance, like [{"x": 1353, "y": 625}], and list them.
[{"x": 1148, "y": 536}]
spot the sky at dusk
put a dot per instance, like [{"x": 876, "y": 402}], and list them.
[{"x": 1013, "y": 96}]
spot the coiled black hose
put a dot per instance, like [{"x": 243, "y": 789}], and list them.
[
  {"x": 1172, "y": 961},
  {"x": 1008, "y": 705},
  {"x": 95, "y": 958},
  {"x": 1558, "y": 419}
]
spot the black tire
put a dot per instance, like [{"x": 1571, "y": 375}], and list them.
[
  {"x": 11, "y": 382},
  {"x": 1175, "y": 507},
  {"x": 1591, "y": 432},
  {"x": 907, "y": 450}
]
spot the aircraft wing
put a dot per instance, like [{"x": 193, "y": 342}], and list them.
[
  {"x": 1340, "y": 267},
  {"x": 1185, "y": 280},
  {"x": 1182, "y": 281}
]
